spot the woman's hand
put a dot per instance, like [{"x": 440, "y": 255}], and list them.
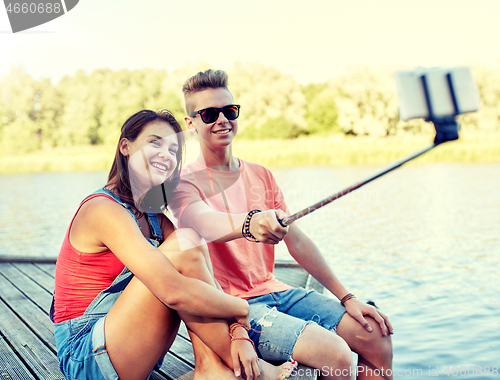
[
  {"x": 244, "y": 355},
  {"x": 358, "y": 310}
]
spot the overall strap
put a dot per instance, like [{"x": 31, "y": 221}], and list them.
[
  {"x": 152, "y": 218},
  {"x": 117, "y": 200},
  {"x": 154, "y": 226}
]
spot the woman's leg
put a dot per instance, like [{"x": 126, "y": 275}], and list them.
[
  {"x": 139, "y": 329},
  {"x": 210, "y": 336}
]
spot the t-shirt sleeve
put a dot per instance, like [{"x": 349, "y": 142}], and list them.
[
  {"x": 185, "y": 194},
  {"x": 279, "y": 198}
]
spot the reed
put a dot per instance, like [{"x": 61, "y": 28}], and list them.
[
  {"x": 327, "y": 150},
  {"x": 341, "y": 150},
  {"x": 84, "y": 158}
]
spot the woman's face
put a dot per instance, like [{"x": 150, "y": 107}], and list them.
[{"x": 152, "y": 156}]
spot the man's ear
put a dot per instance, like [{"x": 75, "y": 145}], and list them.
[
  {"x": 190, "y": 124},
  {"x": 124, "y": 145}
]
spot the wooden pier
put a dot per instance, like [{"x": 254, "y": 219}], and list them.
[{"x": 27, "y": 344}]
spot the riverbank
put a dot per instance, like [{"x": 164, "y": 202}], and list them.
[{"x": 327, "y": 150}]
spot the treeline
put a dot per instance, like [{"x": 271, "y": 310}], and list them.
[{"x": 89, "y": 109}]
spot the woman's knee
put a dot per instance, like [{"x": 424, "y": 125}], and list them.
[
  {"x": 189, "y": 262},
  {"x": 193, "y": 239}
]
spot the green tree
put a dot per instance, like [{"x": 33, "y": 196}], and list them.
[
  {"x": 80, "y": 120},
  {"x": 20, "y": 109},
  {"x": 273, "y": 104},
  {"x": 322, "y": 112}
]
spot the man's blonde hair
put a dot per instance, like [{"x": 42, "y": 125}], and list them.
[{"x": 202, "y": 81}]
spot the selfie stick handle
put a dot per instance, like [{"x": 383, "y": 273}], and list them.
[
  {"x": 292, "y": 218},
  {"x": 446, "y": 130}
]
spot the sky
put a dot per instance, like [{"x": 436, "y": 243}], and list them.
[{"x": 310, "y": 40}]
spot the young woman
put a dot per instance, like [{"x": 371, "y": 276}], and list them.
[{"x": 123, "y": 283}]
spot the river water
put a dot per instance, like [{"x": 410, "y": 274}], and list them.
[{"x": 423, "y": 242}]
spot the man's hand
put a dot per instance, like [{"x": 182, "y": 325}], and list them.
[
  {"x": 358, "y": 310},
  {"x": 265, "y": 227}
]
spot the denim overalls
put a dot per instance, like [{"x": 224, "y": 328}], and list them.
[{"x": 80, "y": 342}]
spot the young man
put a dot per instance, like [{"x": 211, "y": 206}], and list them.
[{"x": 235, "y": 205}]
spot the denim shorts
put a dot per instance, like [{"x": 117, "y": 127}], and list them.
[
  {"x": 82, "y": 350},
  {"x": 282, "y": 316}
]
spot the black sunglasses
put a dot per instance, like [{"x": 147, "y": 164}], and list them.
[{"x": 211, "y": 114}]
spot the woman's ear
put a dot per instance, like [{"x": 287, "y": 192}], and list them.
[{"x": 124, "y": 145}]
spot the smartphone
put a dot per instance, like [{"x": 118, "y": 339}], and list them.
[{"x": 451, "y": 91}]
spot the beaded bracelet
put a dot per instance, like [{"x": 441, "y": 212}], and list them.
[
  {"x": 346, "y": 298},
  {"x": 245, "y": 229}
]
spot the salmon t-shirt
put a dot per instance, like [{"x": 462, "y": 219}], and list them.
[{"x": 243, "y": 269}]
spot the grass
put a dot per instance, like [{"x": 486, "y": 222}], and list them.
[{"x": 327, "y": 150}]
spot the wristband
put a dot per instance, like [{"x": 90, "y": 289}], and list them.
[
  {"x": 346, "y": 298},
  {"x": 245, "y": 229}
]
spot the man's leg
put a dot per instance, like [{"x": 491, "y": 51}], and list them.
[
  {"x": 326, "y": 351},
  {"x": 287, "y": 337},
  {"x": 374, "y": 350}
]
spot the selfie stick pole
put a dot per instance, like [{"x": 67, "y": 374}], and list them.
[{"x": 446, "y": 130}]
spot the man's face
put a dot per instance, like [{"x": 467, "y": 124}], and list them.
[{"x": 219, "y": 134}]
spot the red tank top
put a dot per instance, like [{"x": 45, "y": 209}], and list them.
[{"x": 81, "y": 276}]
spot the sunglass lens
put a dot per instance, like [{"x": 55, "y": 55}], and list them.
[
  {"x": 209, "y": 115},
  {"x": 231, "y": 112}
]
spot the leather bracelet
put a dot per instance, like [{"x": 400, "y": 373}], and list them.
[
  {"x": 245, "y": 228},
  {"x": 346, "y": 298}
]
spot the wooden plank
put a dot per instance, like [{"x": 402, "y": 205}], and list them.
[
  {"x": 27, "y": 259},
  {"x": 173, "y": 367},
  {"x": 50, "y": 269},
  {"x": 183, "y": 349},
  {"x": 33, "y": 352},
  {"x": 293, "y": 276},
  {"x": 29, "y": 313},
  {"x": 313, "y": 284},
  {"x": 37, "y": 275},
  {"x": 158, "y": 376},
  {"x": 11, "y": 367},
  {"x": 31, "y": 289}
]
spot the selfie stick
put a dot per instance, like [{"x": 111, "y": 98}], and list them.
[{"x": 446, "y": 130}]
